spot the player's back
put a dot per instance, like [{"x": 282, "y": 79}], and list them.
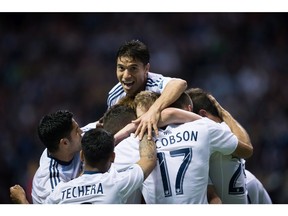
[
  {"x": 227, "y": 175},
  {"x": 257, "y": 194},
  {"x": 50, "y": 173},
  {"x": 93, "y": 187},
  {"x": 183, "y": 151}
]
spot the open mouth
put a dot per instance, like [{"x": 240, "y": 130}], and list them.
[{"x": 128, "y": 84}]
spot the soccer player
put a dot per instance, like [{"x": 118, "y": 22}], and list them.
[
  {"x": 116, "y": 118},
  {"x": 127, "y": 153},
  {"x": 59, "y": 162},
  {"x": 226, "y": 171},
  {"x": 133, "y": 74},
  {"x": 101, "y": 183},
  {"x": 183, "y": 151}
]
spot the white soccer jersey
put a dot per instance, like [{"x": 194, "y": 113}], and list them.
[
  {"x": 99, "y": 188},
  {"x": 155, "y": 82},
  {"x": 127, "y": 153},
  {"x": 88, "y": 127},
  {"x": 50, "y": 173},
  {"x": 257, "y": 194},
  {"x": 227, "y": 175},
  {"x": 183, "y": 151}
]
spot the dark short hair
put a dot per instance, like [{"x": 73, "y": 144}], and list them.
[
  {"x": 136, "y": 50},
  {"x": 53, "y": 127},
  {"x": 97, "y": 146},
  {"x": 201, "y": 100},
  {"x": 183, "y": 101}
]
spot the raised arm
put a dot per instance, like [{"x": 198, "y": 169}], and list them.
[
  {"x": 149, "y": 120},
  {"x": 233, "y": 124},
  {"x": 169, "y": 115},
  {"x": 172, "y": 115},
  {"x": 243, "y": 150}
]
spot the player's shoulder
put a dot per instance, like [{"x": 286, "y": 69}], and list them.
[
  {"x": 116, "y": 88},
  {"x": 156, "y": 76},
  {"x": 153, "y": 74}
]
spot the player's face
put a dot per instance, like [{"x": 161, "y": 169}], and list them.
[
  {"x": 75, "y": 136},
  {"x": 132, "y": 75}
]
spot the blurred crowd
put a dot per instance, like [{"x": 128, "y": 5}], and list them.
[{"x": 51, "y": 61}]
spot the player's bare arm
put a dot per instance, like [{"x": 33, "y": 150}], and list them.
[
  {"x": 149, "y": 120},
  {"x": 148, "y": 158},
  {"x": 233, "y": 124},
  {"x": 125, "y": 132},
  {"x": 243, "y": 150},
  {"x": 173, "y": 115},
  {"x": 212, "y": 196}
]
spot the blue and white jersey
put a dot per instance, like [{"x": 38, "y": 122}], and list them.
[
  {"x": 126, "y": 154},
  {"x": 50, "y": 173},
  {"x": 227, "y": 175},
  {"x": 155, "y": 82},
  {"x": 112, "y": 187},
  {"x": 257, "y": 194},
  {"x": 183, "y": 152}
]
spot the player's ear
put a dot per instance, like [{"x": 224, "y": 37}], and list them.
[
  {"x": 189, "y": 108},
  {"x": 202, "y": 113},
  {"x": 147, "y": 68},
  {"x": 81, "y": 156},
  {"x": 112, "y": 157},
  {"x": 64, "y": 143}
]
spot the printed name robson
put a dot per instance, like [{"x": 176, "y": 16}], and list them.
[
  {"x": 179, "y": 137},
  {"x": 80, "y": 191}
]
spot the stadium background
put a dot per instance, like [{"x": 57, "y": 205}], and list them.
[{"x": 51, "y": 61}]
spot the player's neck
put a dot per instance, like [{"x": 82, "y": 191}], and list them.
[
  {"x": 100, "y": 167},
  {"x": 62, "y": 156}
]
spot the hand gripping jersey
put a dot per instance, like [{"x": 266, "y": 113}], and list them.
[
  {"x": 227, "y": 176},
  {"x": 50, "y": 173},
  {"x": 155, "y": 82},
  {"x": 111, "y": 187},
  {"x": 183, "y": 151}
]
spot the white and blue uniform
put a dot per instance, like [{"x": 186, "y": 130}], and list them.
[
  {"x": 183, "y": 151},
  {"x": 127, "y": 153},
  {"x": 111, "y": 187},
  {"x": 155, "y": 83},
  {"x": 257, "y": 194},
  {"x": 88, "y": 127},
  {"x": 227, "y": 175},
  {"x": 50, "y": 173}
]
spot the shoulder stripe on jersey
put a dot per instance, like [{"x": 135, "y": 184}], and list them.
[
  {"x": 54, "y": 173},
  {"x": 115, "y": 95},
  {"x": 115, "y": 90},
  {"x": 154, "y": 82},
  {"x": 151, "y": 82}
]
